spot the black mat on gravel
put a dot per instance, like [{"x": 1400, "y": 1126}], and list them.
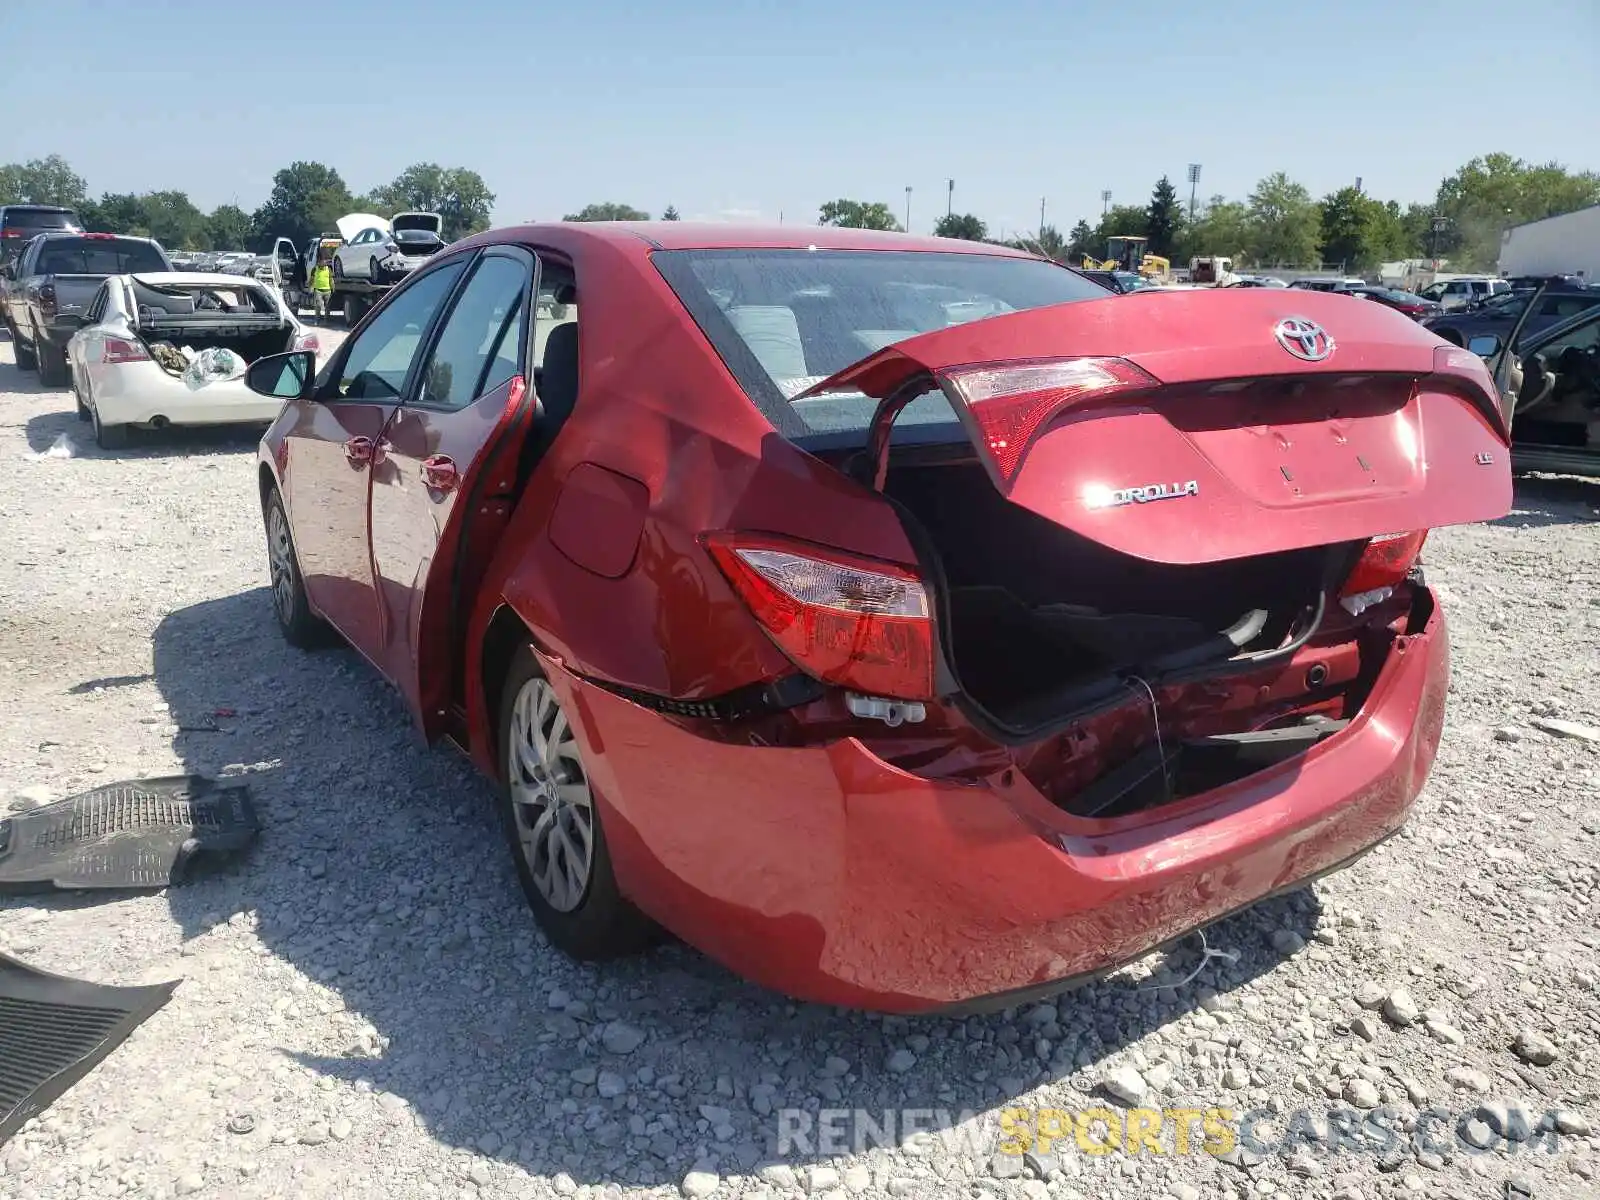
[
  {"x": 54, "y": 1030},
  {"x": 143, "y": 833}
]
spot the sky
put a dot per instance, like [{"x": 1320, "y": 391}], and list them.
[{"x": 739, "y": 110}]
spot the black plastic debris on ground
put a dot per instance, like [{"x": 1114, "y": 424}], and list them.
[
  {"x": 142, "y": 833},
  {"x": 54, "y": 1030}
]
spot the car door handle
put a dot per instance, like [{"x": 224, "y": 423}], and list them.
[
  {"x": 439, "y": 473},
  {"x": 358, "y": 451}
]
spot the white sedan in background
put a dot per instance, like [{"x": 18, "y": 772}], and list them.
[{"x": 139, "y": 333}]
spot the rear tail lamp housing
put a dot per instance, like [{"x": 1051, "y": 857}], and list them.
[
  {"x": 854, "y": 622},
  {"x": 121, "y": 350},
  {"x": 1385, "y": 561},
  {"x": 1011, "y": 402}
]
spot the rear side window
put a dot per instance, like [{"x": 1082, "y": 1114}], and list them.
[
  {"x": 98, "y": 256},
  {"x": 784, "y": 320},
  {"x": 478, "y": 342}
]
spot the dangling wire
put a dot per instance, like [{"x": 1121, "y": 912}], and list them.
[
  {"x": 1155, "y": 719},
  {"x": 1228, "y": 956}
]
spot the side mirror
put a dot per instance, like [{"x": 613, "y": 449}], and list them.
[
  {"x": 1485, "y": 345},
  {"x": 283, "y": 376}
]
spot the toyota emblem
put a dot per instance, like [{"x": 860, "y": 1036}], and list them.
[{"x": 1303, "y": 338}]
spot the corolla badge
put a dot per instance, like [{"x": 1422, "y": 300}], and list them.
[
  {"x": 1303, "y": 338},
  {"x": 1104, "y": 497}
]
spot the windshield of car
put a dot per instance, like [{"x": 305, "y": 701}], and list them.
[
  {"x": 785, "y": 320},
  {"x": 98, "y": 256}
]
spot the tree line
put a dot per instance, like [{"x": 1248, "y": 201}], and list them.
[
  {"x": 1280, "y": 224},
  {"x": 306, "y": 199}
]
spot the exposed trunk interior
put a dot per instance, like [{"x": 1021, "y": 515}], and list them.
[
  {"x": 1042, "y": 622},
  {"x": 247, "y": 344},
  {"x": 242, "y": 318}
]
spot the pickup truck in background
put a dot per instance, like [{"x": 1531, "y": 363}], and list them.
[{"x": 46, "y": 291}]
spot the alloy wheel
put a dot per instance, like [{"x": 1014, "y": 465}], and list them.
[
  {"x": 550, "y": 797},
  {"x": 280, "y": 558}
]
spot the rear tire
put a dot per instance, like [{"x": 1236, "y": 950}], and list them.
[
  {"x": 300, "y": 627},
  {"x": 372, "y": 270},
  {"x": 548, "y": 813},
  {"x": 108, "y": 437},
  {"x": 52, "y": 366}
]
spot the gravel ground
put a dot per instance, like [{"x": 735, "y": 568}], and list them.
[{"x": 367, "y": 998}]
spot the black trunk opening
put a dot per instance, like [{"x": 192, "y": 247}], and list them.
[{"x": 1041, "y": 622}]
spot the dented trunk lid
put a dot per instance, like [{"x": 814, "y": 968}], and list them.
[{"x": 1188, "y": 427}]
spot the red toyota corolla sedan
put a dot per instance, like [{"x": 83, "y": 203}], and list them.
[{"x": 904, "y": 622}]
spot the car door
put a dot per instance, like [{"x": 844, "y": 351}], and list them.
[
  {"x": 334, "y": 439},
  {"x": 449, "y": 472}
]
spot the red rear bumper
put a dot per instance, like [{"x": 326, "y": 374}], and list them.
[{"x": 830, "y": 875}]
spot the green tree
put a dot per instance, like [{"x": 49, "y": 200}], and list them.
[
  {"x": 965, "y": 226},
  {"x": 48, "y": 180},
  {"x": 115, "y": 212},
  {"x": 1496, "y": 191},
  {"x": 228, "y": 227},
  {"x": 1078, "y": 241},
  {"x": 857, "y": 214},
  {"x": 1285, "y": 223},
  {"x": 1163, "y": 218},
  {"x": 306, "y": 199},
  {"x": 174, "y": 221},
  {"x": 608, "y": 212},
  {"x": 1362, "y": 232},
  {"x": 1222, "y": 227},
  {"x": 671, "y": 214},
  {"x": 458, "y": 195}
]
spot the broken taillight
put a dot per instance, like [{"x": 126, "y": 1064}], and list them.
[
  {"x": 853, "y": 622},
  {"x": 307, "y": 341},
  {"x": 1011, "y": 402},
  {"x": 1386, "y": 560},
  {"x": 120, "y": 350}
]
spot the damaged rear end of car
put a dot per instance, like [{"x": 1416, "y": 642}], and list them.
[{"x": 1173, "y": 543}]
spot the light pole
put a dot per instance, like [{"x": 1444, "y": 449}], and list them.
[
  {"x": 1105, "y": 202},
  {"x": 1438, "y": 225},
  {"x": 1041, "y": 218},
  {"x": 949, "y": 197},
  {"x": 908, "y": 208},
  {"x": 1194, "y": 182}
]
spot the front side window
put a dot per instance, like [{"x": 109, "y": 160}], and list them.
[
  {"x": 784, "y": 320},
  {"x": 381, "y": 355},
  {"x": 478, "y": 348}
]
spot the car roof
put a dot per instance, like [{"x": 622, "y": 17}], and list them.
[
  {"x": 94, "y": 235},
  {"x": 645, "y": 236}
]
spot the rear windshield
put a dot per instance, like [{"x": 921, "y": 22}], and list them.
[
  {"x": 98, "y": 256},
  {"x": 784, "y": 320},
  {"x": 25, "y": 222}
]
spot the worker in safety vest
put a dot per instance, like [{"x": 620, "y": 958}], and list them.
[{"x": 321, "y": 288}]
